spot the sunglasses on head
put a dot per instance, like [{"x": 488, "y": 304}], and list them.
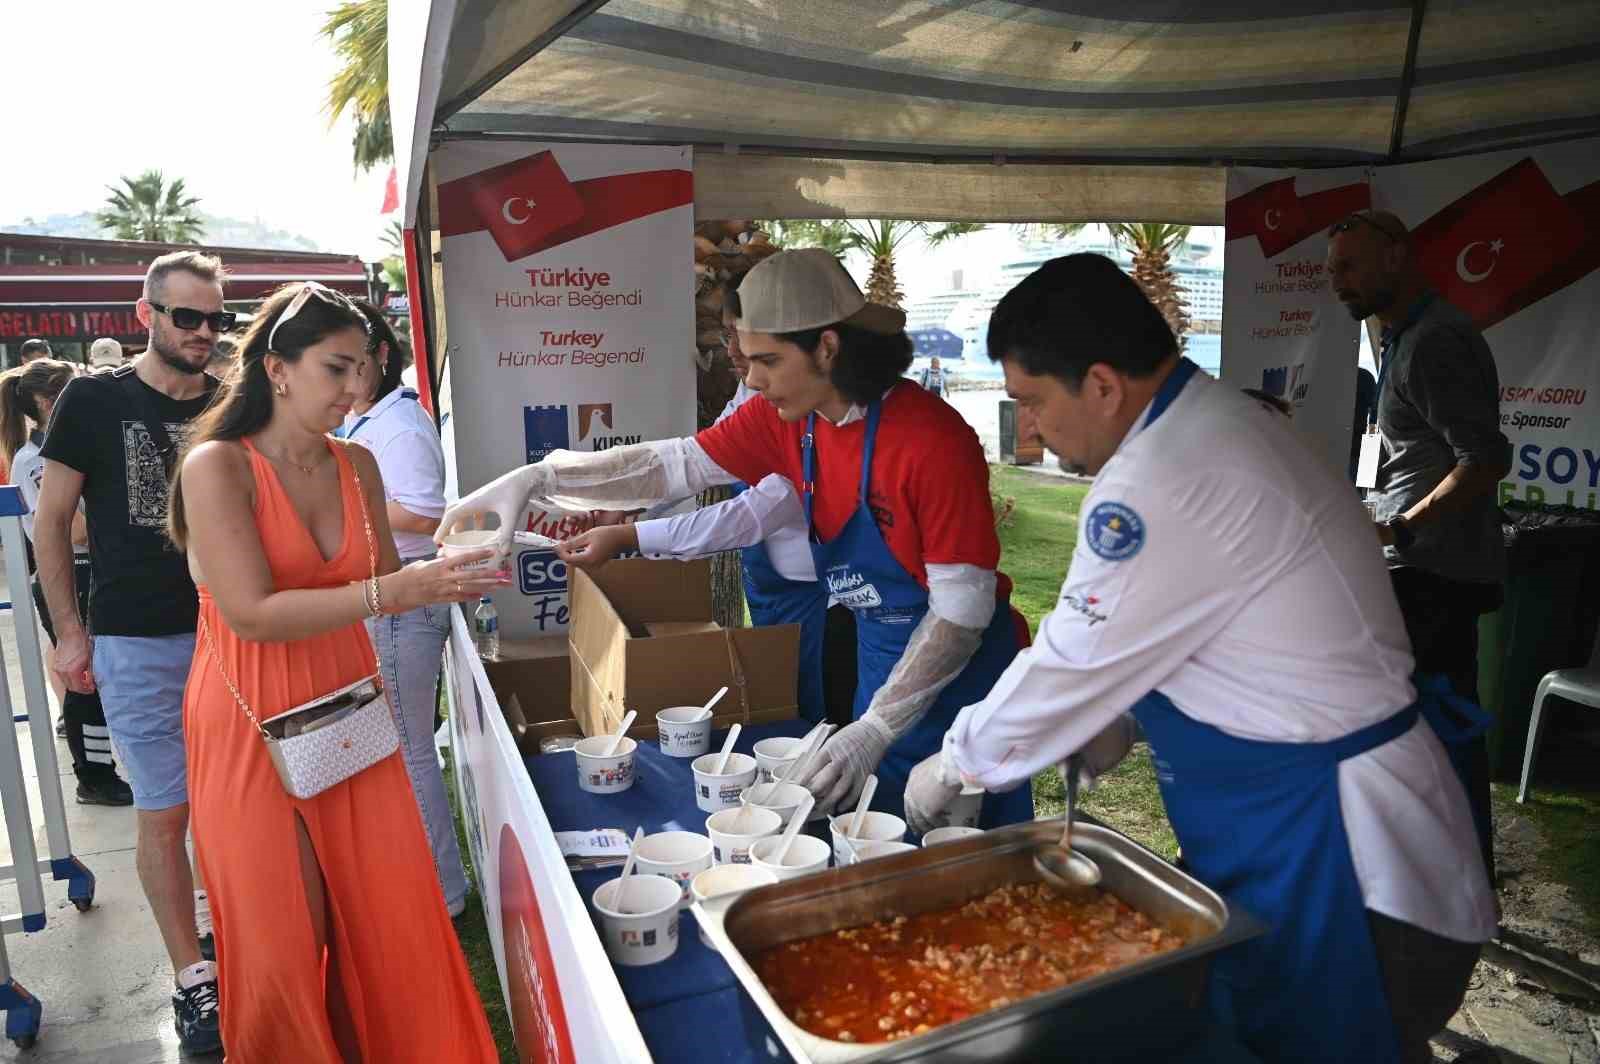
[
  {"x": 1350, "y": 221},
  {"x": 188, "y": 319},
  {"x": 302, "y": 297}
]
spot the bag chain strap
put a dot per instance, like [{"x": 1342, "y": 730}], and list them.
[{"x": 205, "y": 630}]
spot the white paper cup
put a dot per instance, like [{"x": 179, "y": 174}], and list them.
[
  {"x": 875, "y": 827},
  {"x": 782, "y": 798},
  {"x": 775, "y": 757},
  {"x": 599, "y": 774},
  {"x": 727, "y": 879},
  {"x": 648, "y": 932},
  {"x": 963, "y": 810},
  {"x": 806, "y": 855},
  {"x": 867, "y": 851},
  {"x": 715, "y": 793},
  {"x": 458, "y": 543},
  {"x": 678, "y": 855},
  {"x": 681, "y": 737},
  {"x": 733, "y": 831},
  {"x": 953, "y": 833}
]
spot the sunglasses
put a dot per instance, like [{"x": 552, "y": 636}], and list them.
[
  {"x": 302, "y": 297},
  {"x": 188, "y": 319},
  {"x": 1350, "y": 221}
]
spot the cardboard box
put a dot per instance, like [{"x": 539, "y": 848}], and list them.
[
  {"x": 617, "y": 665},
  {"x": 538, "y": 675}
]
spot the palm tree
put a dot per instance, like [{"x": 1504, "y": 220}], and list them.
[
  {"x": 147, "y": 208},
  {"x": 829, "y": 234},
  {"x": 394, "y": 237},
  {"x": 1152, "y": 245},
  {"x": 1032, "y": 231},
  {"x": 359, "y": 31},
  {"x": 880, "y": 238}
]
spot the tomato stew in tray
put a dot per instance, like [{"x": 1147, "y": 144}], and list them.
[{"x": 902, "y": 976}]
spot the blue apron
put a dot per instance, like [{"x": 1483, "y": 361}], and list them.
[
  {"x": 1260, "y": 822},
  {"x": 858, "y": 569},
  {"x": 775, "y": 599}
]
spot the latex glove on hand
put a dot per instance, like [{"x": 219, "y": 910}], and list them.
[
  {"x": 506, "y": 497},
  {"x": 847, "y": 760},
  {"x": 1105, "y": 751},
  {"x": 931, "y": 787}
]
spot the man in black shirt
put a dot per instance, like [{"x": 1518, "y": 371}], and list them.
[
  {"x": 1442, "y": 457},
  {"x": 112, "y": 442}
]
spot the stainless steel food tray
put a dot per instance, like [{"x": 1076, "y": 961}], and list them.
[{"x": 1153, "y": 1006}]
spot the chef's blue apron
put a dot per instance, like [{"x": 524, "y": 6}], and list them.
[
  {"x": 775, "y": 599},
  {"x": 858, "y": 569},
  {"x": 1260, "y": 822}
]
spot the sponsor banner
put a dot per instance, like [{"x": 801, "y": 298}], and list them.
[
  {"x": 568, "y": 290},
  {"x": 561, "y": 992},
  {"x": 1513, "y": 239},
  {"x": 1283, "y": 329}
]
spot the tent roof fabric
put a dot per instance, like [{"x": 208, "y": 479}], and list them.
[{"x": 1071, "y": 85}]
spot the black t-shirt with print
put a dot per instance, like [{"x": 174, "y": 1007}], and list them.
[{"x": 141, "y": 584}]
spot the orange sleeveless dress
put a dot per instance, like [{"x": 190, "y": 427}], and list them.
[{"x": 403, "y": 975}]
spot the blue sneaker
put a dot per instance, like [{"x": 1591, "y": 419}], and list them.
[{"x": 198, "y": 1022}]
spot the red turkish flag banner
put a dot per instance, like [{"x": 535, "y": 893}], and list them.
[
  {"x": 1279, "y": 218},
  {"x": 1496, "y": 249},
  {"x": 391, "y": 193},
  {"x": 521, "y": 203}
]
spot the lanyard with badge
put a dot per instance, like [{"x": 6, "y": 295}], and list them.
[{"x": 1372, "y": 440}]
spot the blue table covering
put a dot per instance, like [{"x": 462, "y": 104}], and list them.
[{"x": 693, "y": 994}]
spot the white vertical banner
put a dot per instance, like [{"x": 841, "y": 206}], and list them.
[
  {"x": 1283, "y": 329},
  {"x": 1513, "y": 239},
  {"x": 569, "y": 300}
]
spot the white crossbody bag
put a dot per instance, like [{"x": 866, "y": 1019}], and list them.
[{"x": 331, "y": 738}]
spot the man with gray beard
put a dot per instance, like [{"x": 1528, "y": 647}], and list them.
[{"x": 113, "y": 441}]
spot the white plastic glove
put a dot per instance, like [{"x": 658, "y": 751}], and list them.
[
  {"x": 506, "y": 497},
  {"x": 932, "y": 786},
  {"x": 1105, "y": 751},
  {"x": 847, "y": 760}
]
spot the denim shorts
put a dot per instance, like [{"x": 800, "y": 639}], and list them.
[{"x": 141, "y": 681}]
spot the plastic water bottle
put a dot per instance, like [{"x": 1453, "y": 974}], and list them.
[{"x": 486, "y": 630}]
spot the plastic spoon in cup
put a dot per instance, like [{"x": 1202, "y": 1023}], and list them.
[
  {"x": 627, "y": 870},
  {"x": 796, "y": 822},
  {"x": 705, "y": 710},
  {"x": 808, "y": 745},
  {"x": 727, "y": 750},
  {"x": 622, "y": 729},
  {"x": 868, "y": 789}
]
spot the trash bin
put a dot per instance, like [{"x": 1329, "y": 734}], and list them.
[{"x": 1547, "y": 621}]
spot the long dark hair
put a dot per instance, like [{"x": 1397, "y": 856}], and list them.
[
  {"x": 868, "y": 363},
  {"x": 21, "y": 389},
  {"x": 380, "y": 332},
  {"x": 243, "y": 405}
]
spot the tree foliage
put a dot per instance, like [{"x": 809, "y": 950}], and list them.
[
  {"x": 359, "y": 32},
  {"x": 1152, "y": 245},
  {"x": 148, "y": 208}
]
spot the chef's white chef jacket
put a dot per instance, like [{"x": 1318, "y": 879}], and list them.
[
  {"x": 401, "y": 436},
  {"x": 1249, "y": 588}
]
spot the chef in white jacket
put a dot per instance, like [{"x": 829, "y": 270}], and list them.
[{"x": 1225, "y": 590}]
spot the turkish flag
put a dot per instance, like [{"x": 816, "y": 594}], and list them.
[
  {"x": 521, "y": 203},
  {"x": 391, "y": 193},
  {"x": 1493, "y": 251},
  {"x": 1279, "y": 218}
]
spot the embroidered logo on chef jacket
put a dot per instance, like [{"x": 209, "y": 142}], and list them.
[
  {"x": 1114, "y": 532},
  {"x": 1091, "y": 607}
]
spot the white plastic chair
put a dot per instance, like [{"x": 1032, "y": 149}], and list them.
[{"x": 1581, "y": 685}]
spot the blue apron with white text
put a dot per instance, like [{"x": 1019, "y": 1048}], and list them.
[
  {"x": 857, "y": 568},
  {"x": 775, "y": 599},
  {"x": 1261, "y": 823}
]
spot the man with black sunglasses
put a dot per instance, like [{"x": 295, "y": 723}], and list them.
[
  {"x": 113, "y": 442},
  {"x": 1441, "y": 456}
]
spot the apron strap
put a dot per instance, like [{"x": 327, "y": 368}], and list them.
[
  {"x": 874, "y": 410},
  {"x": 808, "y": 468}
]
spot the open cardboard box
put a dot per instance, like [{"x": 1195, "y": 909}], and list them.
[
  {"x": 537, "y": 673},
  {"x": 617, "y": 665}
]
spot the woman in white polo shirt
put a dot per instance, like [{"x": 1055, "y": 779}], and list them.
[{"x": 392, "y": 424}]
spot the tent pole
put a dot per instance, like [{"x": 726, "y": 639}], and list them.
[
  {"x": 1408, "y": 77},
  {"x": 419, "y": 293}
]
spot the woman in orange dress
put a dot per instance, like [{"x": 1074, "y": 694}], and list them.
[{"x": 333, "y": 943}]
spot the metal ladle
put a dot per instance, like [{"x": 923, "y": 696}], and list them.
[{"x": 1062, "y": 866}]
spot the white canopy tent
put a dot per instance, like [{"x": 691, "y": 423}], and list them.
[{"x": 1072, "y": 110}]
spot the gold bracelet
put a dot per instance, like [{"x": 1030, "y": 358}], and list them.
[
  {"x": 366, "y": 597},
  {"x": 377, "y": 598}
]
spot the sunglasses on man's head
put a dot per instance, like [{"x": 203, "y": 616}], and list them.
[
  {"x": 188, "y": 319},
  {"x": 1350, "y": 221}
]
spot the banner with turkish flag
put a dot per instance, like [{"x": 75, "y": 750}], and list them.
[{"x": 1513, "y": 239}]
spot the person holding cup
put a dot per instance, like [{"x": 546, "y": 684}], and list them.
[{"x": 894, "y": 490}]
